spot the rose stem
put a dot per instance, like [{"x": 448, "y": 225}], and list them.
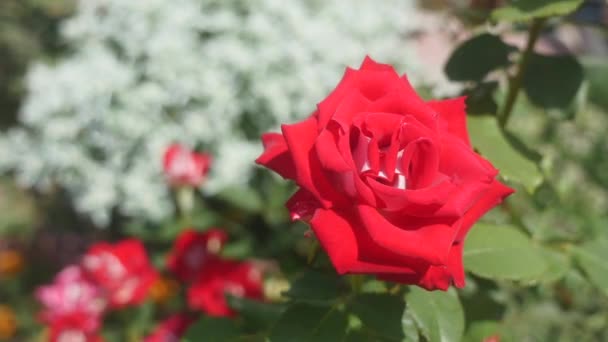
[{"x": 516, "y": 81}]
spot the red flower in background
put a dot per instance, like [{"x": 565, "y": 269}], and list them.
[
  {"x": 225, "y": 277},
  {"x": 192, "y": 250},
  {"x": 122, "y": 270},
  {"x": 73, "y": 328},
  {"x": 171, "y": 329},
  {"x": 183, "y": 167},
  {"x": 388, "y": 182}
]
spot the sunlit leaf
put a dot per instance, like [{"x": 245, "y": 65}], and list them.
[
  {"x": 438, "y": 314},
  {"x": 522, "y": 10},
  {"x": 502, "y": 252},
  {"x": 493, "y": 145}
]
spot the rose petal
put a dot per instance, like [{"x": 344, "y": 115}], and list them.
[
  {"x": 276, "y": 155},
  {"x": 300, "y": 138},
  {"x": 452, "y": 113},
  {"x": 429, "y": 242},
  {"x": 345, "y": 248}
]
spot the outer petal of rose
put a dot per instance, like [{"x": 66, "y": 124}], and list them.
[
  {"x": 327, "y": 107},
  {"x": 463, "y": 164},
  {"x": 463, "y": 198},
  {"x": 452, "y": 113},
  {"x": 300, "y": 138},
  {"x": 302, "y": 205},
  {"x": 430, "y": 243},
  {"x": 441, "y": 277},
  {"x": 276, "y": 155},
  {"x": 337, "y": 237},
  {"x": 490, "y": 199},
  {"x": 370, "y": 64}
]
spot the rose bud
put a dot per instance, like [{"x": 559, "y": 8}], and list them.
[{"x": 183, "y": 167}]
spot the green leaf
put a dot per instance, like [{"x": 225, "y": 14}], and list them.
[
  {"x": 304, "y": 322},
  {"x": 593, "y": 259},
  {"x": 558, "y": 265},
  {"x": 256, "y": 313},
  {"x": 523, "y": 10},
  {"x": 493, "y": 145},
  {"x": 210, "y": 329},
  {"x": 552, "y": 82},
  {"x": 502, "y": 252},
  {"x": 316, "y": 287},
  {"x": 438, "y": 314},
  {"x": 476, "y": 57},
  {"x": 380, "y": 313}
]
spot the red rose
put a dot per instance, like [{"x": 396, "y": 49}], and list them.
[
  {"x": 122, "y": 270},
  {"x": 171, "y": 329},
  {"x": 184, "y": 167},
  {"x": 191, "y": 251},
  {"x": 221, "y": 278},
  {"x": 388, "y": 182}
]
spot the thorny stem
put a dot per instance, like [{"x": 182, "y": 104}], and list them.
[{"x": 516, "y": 82}]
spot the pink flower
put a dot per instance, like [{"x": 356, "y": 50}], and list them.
[
  {"x": 184, "y": 167},
  {"x": 71, "y": 294},
  {"x": 171, "y": 329},
  {"x": 122, "y": 270}
]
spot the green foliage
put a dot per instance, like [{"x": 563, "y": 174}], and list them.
[
  {"x": 523, "y": 10},
  {"x": 476, "y": 57},
  {"x": 439, "y": 315},
  {"x": 552, "y": 81},
  {"x": 492, "y": 144},
  {"x": 316, "y": 287},
  {"x": 212, "y": 330},
  {"x": 593, "y": 259},
  {"x": 502, "y": 252},
  {"x": 380, "y": 315},
  {"x": 304, "y": 322}
]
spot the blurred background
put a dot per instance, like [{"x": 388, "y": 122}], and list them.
[{"x": 92, "y": 92}]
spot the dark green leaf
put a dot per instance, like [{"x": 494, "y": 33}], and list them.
[
  {"x": 305, "y": 323},
  {"x": 480, "y": 99},
  {"x": 380, "y": 313},
  {"x": 476, "y": 57},
  {"x": 438, "y": 314},
  {"x": 522, "y": 10},
  {"x": 210, "y": 329},
  {"x": 553, "y": 82},
  {"x": 493, "y": 145},
  {"x": 593, "y": 259},
  {"x": 316, "y": 287},
  {"x": 256, "y": 313},
  {"x": 502, "y": 252}
]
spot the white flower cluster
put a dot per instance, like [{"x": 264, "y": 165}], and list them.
[{"x": 210, "y": 73}]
